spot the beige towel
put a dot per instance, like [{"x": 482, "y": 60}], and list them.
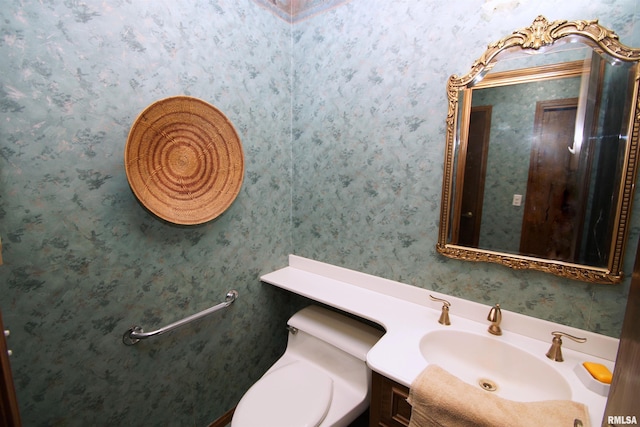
[{"x": 441, "y": 399}]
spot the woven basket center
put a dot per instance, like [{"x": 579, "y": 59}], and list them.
[{"x": 183, "y": 160}]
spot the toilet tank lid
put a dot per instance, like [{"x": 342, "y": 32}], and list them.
[{"x": 345, "y": 333}]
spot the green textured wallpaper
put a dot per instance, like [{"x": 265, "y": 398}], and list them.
[{"x": 341, "y": 116}]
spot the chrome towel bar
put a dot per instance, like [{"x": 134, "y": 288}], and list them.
[{"x": 136, "y": 333}]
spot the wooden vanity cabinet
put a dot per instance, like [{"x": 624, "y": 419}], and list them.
[{"x": 389, "y": 406}]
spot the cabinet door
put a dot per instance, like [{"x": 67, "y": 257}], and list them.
[{"x": 389, "y": 406}]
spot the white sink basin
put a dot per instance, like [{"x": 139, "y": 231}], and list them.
[{"x": 494, "y": 366}]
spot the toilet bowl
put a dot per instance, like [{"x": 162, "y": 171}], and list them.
[{"x": 322, "y": 378}]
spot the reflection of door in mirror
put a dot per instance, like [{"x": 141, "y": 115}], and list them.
[
  {"x": 551, "y": 212},
  {"x": 508, "y": 159},
  {"x": 541, "y": 146},
  {"x": 573, "y": 186},
  {"x": 470, "y": 214}
]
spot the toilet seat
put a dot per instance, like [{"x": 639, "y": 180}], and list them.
[{"x": 295, "y": 395}]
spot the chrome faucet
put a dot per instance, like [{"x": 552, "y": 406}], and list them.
[
  {"x": 495, "y": 317},
  {"x": 555, "y": 352},
  {"x": 444, "y": 316}
]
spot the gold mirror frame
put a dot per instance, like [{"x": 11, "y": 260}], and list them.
[{"x": 542, "y": 34}]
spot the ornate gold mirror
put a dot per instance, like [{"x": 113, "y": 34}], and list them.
[{"x": 542, "y": 151}]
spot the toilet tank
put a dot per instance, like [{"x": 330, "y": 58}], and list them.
[{"x": 349, "y": 335}]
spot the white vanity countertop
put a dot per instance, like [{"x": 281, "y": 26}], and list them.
[{"x": 407, "y": 314}]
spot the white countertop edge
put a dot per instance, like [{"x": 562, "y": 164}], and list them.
[{"x": 598, "y": 345}]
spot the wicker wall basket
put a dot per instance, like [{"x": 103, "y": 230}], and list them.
[{"x": 184, "y": 160}]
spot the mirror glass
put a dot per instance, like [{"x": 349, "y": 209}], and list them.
[{"x": 541, "y": 152}]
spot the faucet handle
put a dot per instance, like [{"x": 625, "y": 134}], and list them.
[
  {"x": 555, "y": 352},
  {"x": 444, "y": 316},
  {"x": 444, "y": 301},
  {"x": 559, "y": 336}
]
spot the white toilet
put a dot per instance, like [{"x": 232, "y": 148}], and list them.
[{"x": 321, "y": 380}]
